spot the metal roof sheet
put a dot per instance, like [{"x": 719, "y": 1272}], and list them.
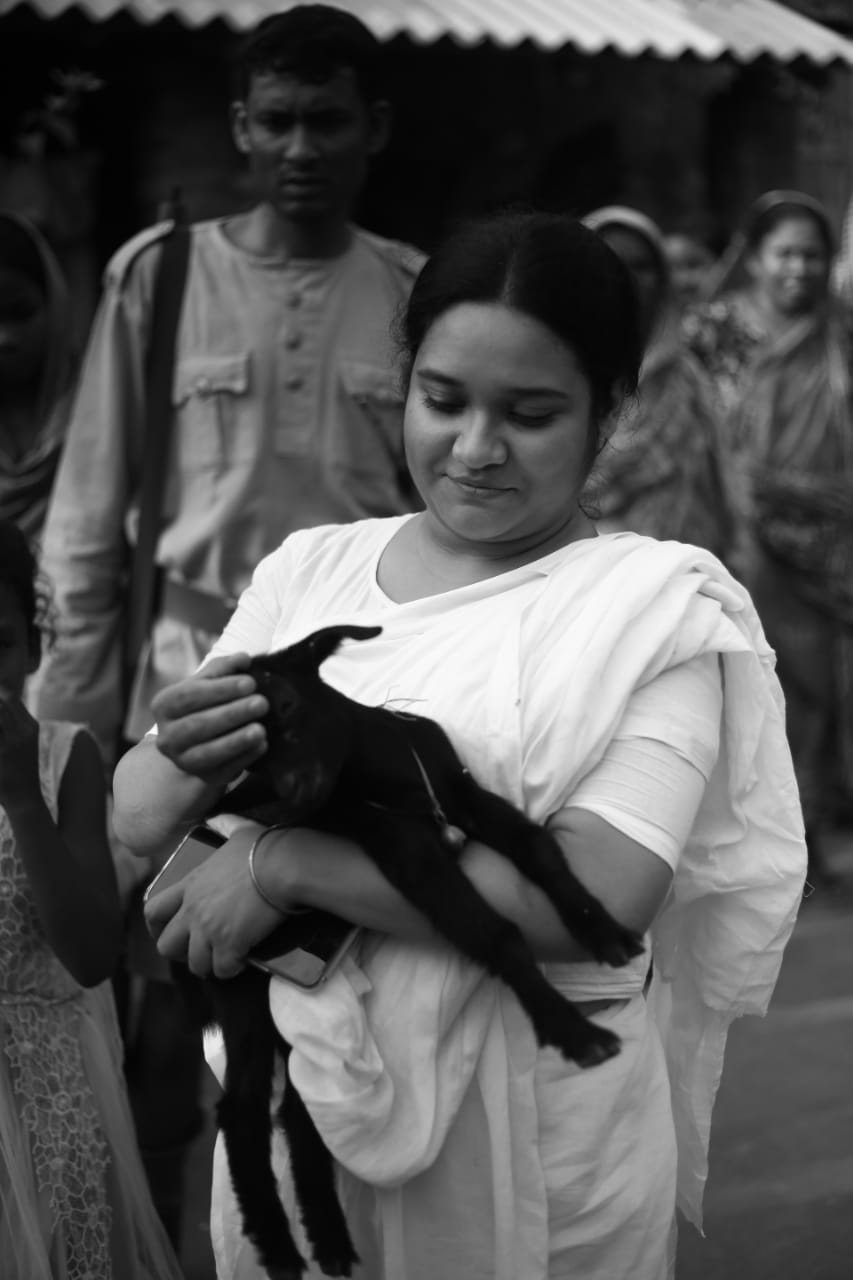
[{"x": 744, "y": 29}]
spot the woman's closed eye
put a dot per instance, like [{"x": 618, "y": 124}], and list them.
[
  {"x": 452, "y": 406},
  {"x": 540, "y": 419},
  {"x": 443, "y": 404}
]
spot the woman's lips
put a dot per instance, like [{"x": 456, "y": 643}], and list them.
[{"x": 478, "y": 488}]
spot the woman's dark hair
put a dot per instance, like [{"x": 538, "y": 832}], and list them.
[
  {"x": 546, "y": 266},
  {"x": 19, "y": 572},
  {"x": 312, "y": 42},
  {"x": 769, "y": 212}
]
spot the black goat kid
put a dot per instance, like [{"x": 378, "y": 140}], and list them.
[{"x": 394, "y": 784}]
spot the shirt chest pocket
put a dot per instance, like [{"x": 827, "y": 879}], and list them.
[
  {"x": 375, "y": 401},
  {"x": 215, "y": 426}
]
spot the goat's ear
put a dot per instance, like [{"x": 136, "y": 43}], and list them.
[{"x": 320, "y": 645}]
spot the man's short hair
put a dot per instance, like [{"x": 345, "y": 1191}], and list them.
[{"x": 311, "y": 42}]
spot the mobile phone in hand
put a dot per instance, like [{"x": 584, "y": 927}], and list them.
[
  {"x": 195, "y": 848},
  {"x": 314, "y": 944},
  {"x": 305, "y": 949}
]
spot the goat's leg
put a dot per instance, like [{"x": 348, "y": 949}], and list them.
[
  {"x": 538, "y": 856},
  {"x": 430, "y": 879},
  {"x": 313, "y": 1171},
  {"x": 243, "y": 1112}
]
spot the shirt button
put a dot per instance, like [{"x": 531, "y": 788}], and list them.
[
  {"x": 294, "y": 382},
  {"x": 293, "y": 341},
  {"x": 295, "y": 300}
]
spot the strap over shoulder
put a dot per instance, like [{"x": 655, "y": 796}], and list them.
[{"x": 123, "y": 260}]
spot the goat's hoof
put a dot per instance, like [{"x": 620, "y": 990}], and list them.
[
  {"x": 623, "y": 949},
  {"x": 339, "y": 1265},
  {"x": 609, "y": 942},
  {"x": 586, "y": 1043},
  {"x": 599, "y": 1049}
]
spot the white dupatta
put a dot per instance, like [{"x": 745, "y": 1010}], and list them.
[{"x": 384, "y": 1056}]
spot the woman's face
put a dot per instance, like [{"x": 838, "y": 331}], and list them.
[
  {"x": 497, "y": 428},
  {"x": 23, "y": 327},
  {"x": 689, "y": 264},
  {"x": 643, "y": 263},
  {"x": 790, "y": 266}
]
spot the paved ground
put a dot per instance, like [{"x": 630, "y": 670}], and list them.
[{"x": 779, "y": 1203}]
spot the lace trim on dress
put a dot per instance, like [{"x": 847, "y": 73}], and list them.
[{"x": 69, "y": 1153}]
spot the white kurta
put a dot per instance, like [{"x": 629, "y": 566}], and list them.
[{"x": 499, "y": 1160}]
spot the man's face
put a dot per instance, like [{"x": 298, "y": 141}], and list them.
[{"x": 308, "y": 144}]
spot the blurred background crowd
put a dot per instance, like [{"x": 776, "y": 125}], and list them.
[{"x": 710, "y": 142}]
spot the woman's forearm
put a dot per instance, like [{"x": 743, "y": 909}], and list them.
[
  {"x": 155, "y": 801},
  {"x": 309, "y": 868}
]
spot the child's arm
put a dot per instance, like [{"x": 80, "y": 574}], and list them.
[{"x": 68, "y": 862}]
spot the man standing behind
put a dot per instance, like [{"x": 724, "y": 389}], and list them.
[
  {"x": 286, "y": 410},
  {"x": 286, "y": 415}
]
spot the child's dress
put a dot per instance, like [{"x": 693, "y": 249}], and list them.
[{"x": 74, "y": 1203}]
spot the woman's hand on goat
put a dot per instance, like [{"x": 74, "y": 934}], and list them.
[
  {"x": 215, "y": 915},
  {"x": 209, "y": 725}
]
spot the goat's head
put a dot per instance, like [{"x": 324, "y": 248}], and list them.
[{"x": 309, "y": 725}]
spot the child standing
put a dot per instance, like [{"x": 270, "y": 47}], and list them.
[{"x": 73, "y": 1198}]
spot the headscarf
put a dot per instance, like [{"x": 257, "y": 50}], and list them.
[
  {"x": 729, "y": 273},
  {"x": 663, "y": 333},
  {"x": 26, "y": 482},
  {"x": 659, "y": 473}
]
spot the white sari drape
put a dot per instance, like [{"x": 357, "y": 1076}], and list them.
[{"x": 416, "y": 1054}]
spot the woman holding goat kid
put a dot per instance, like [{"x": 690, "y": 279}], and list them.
[{"x": 617, "y": 689}]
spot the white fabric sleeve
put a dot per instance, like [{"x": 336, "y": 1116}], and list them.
[
  {"x": 651, "y": 779},
  {"x": 252, "y": 625}
]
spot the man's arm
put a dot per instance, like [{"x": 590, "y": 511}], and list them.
[{"x": 84, "y": 549}]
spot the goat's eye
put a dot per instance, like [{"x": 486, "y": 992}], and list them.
[{"x": 285, "y": 701}]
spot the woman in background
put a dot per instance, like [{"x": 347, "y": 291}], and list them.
[
  {"x": 36, "y": 372},
  {"x": 777, "y": 346},
  {"x": 660, "y": 472}
]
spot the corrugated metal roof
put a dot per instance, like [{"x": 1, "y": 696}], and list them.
[{"x": 745, "y": 29}]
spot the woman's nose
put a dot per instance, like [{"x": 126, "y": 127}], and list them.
[{"x": 478, "y": 442}]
